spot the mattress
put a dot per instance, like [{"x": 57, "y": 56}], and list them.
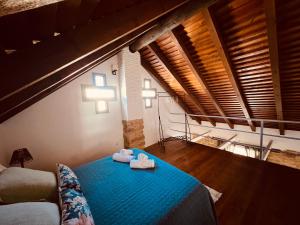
[{"x": 119, "y": 195}]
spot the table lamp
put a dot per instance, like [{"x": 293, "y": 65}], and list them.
[{"x": 20, "y": 156}]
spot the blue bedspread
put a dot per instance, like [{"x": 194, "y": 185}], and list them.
[{"x": 120, "y": 195}]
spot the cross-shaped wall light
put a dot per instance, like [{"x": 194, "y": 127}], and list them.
[
  {"x": 99, "y": 93},
  {"x": 148, "y": 93}
]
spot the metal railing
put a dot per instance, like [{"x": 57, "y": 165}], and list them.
[
  {"x": 263, "y": 150},
  {"x": 187, "y": 132}
]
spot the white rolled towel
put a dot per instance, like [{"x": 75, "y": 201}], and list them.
[
  {"x": 142, "y": 162},
  {"x": 142, "y": 157},
  {"x": 122, "y": 157},
  {"x": 126, "y": 151}
]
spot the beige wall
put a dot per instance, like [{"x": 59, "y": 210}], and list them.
[
  {"x": 63, "y": 128},
  {"x": 131, "y": 84},
  {"x": 4, "y": 156},
  {"x": 132, "y": 76},
  {"x": 150, "y": 115}
]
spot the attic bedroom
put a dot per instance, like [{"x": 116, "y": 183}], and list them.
[{"x": 143, "y": 112}]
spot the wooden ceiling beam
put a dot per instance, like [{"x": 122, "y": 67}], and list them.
[
  {"x": 86, "y": 11},
  {"x": 178, "y": 41},
  {"x": 46, "y": 16},
  {"x": 29, "y": 96},
  {"x": 224, "y": 56},
  {"x": 164, "y": 62},
  {"x": 67, "y": 15},
  {"x": 270, "y": 11},
  {"x": 167, "y": 88},
  {"x": 57, "y": 60},
  {"x": 48, "y": 57},
  {"x": 8, "y": 7},
  {"x": 170, "y": 22}
]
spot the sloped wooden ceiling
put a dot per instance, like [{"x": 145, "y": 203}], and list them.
[
  {"x": 44, "y": 48},
  {"x": 238, "y": 58},
  {"x": 288, "y": 30}
]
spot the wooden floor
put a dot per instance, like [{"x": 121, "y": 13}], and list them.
[{"x": 254, "y": 192}]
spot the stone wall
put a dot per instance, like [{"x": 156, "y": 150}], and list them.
[
  {"x": 286, "y": 158},
  {"x": 133, "y": 133},
  {"x": 209, "y": 142},
  {"x": 131, "y": 99}
]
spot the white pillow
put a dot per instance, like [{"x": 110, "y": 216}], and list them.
[
  {"x": 26, "y": 185},
  {"x": 2, "y": 168},
  {"x": 30, "y": 213}
]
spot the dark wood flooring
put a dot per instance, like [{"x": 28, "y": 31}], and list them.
[{"x": 254, "y": 192}]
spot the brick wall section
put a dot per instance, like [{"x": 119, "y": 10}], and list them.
[
  {"x": 209, "y": 142},
  {"x": 286, "y": 158},
  {"x": 132, "y": 101},
  {"x": 133, "y": 133}
]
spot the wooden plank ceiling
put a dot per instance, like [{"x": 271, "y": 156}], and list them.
[
  {"x": 238, "y": 58},
  {"x": 44, "y": 48}
]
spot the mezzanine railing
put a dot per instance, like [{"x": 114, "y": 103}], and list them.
[{"x": 262, "y": 122}]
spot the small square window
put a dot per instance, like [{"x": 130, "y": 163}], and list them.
[
  {"x": 99, "y": 79},
  {"x": 101, "y": 107},
  {"x": 95, "y": 93},
  {"x": 148, "y": 103},
  {"x": 147, "y": 83},
  {"x": 149, "y": 93}
]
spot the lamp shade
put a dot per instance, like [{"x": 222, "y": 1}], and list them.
[{"x": 20, "y": 156}]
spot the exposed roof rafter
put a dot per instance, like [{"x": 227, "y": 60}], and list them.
[
  {"x": 197, "y": 73},
  {"x": 164, "y": 62},
  {"x": 170, "y": 22},
  {"x": 167, "y": 88},
  {"x": 270, "y": 11},
  {"x": 56, "y": 60},
  {"x": 244, "y": 54},
  {"x": 227, "y": 64}
]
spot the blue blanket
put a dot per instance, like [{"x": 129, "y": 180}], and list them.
[{"x": 120, "y": 195}]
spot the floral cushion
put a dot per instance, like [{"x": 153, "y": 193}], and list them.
[
  {"x": 75, "y": 210},
  {"x": 67, "y": 178}
]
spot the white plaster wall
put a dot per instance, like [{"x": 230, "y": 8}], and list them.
[
  {"x": 122, "y": 85},
  {"x": 132, "y": 75},
  {"x": 150, "y": 115},
  {"x": 130, "y": 82},
  {"x": 63, "y": 128}
]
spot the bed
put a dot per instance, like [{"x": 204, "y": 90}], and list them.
[{"x": 118, "y": 194}]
